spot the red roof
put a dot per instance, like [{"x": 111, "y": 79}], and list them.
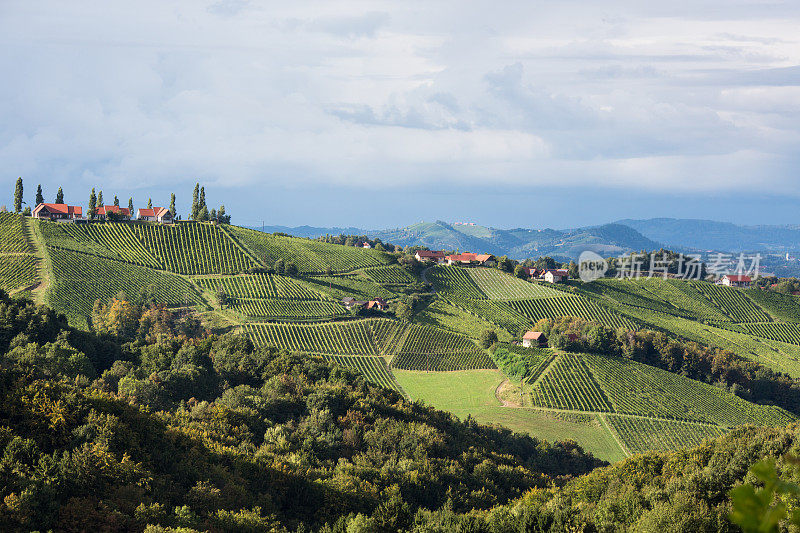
[
  {"x": 563, "y": 272},
  {"x": 154, "y": 212},
  {"x": 105, "y": 209},
  {"x": 469, "y": 256},
  {"x": 61, "y": 209},
  {"x": 430, "y": 254},
  {"x": 533, "y": 335},
  {"x": 738, "y": 278}
]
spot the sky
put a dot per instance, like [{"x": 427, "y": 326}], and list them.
[{"x": 382, "y": 114}]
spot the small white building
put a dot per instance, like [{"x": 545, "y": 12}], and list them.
[
  {"x": 534, "y": 339},
  {"x": 556, "y": 276},
  {"x": 438, "y": 257},
  {"x": 736, "y": 280}
]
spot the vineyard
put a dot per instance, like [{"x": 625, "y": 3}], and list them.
[
  {"x": 441, "y": 362},
  {"x": 779, "y": 331},
  {"x": 18, "y": 265},
  {"x": 391, "y": 275},
  {"x": 570, "y": 306},
  {"x": 373, "y": 368},
  {"x": 568, "y": 384},
  {"x": 499, "y": 313},
  {"x": 286, "y": 309},
  {"x": 497, "y": 285},
  {"x": 17, "y": 271},
  {"x": 193, "y": 248},
  {"x": 642, "y": 434},
  {"x": 732, "y": 302},
  {"x": 311, "y": 257},
  {"x": 362, "y": 337},
  {"x": 638, "y": 389},
  {"x": 259, "y": 286},
  {"x": 12, "y": 235},
  {"x": 113, "y": 240},
  {"x": 80, "y": 279},
  {"x": 780, "y": 306},
  {"x": 442, "y": 314},
  {"x": 339, "y": 287},
  {"x": 454, "y": 282}
]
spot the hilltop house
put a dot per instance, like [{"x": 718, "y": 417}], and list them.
[
  {"x": 122, "y": 212},
  {"x": 534, "y": 339},
  {"x": 425, "y": 256},
  {"x": 156, "y": 214},
  {"x": 556, "y": 276},
  {"x": 349, "y": 302},
  {"x": 534, "y": 273},
  {"x": 366, "y": 245},
  {"x": 469, "y": 258},
  {"x": 735, "y": 280},
  {"x": 58, "y": 212}
]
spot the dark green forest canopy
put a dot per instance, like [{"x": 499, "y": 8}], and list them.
[{"x": 208, "y": 432}]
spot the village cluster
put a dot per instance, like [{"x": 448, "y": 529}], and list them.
[
  {"x": 74, "y": 213},
  {"x": 441, "y": 257}
]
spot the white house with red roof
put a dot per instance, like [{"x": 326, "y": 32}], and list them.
[
  {"x": 736, "y": 280},
  {"x": 156, "y": 214},
  {"x": 121, "y": 212},
  {"x": 534, "y": 338},
  {"x": 556, "y": 275},
  {"x": 433, "y": 256},
  {"x": 469, "y": 258},
  {"x": 58, "y": 212}
]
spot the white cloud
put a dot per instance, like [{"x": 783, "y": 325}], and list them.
[{"x": 387, "y": 94}]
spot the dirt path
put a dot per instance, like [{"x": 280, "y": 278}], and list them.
[{"x": 505, "y": 403}]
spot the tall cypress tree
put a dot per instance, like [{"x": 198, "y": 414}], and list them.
[
  {"x": 60, "y": 196},
  {"x": 92, "y": 204},
  {"x": 195, "y": 201},
  {"x": 39, "y": 195},
  {"x": 130, "y": 206},
  {"x": 172, "y": 204},
  {"x": 18, "y": 196},
  {"x": 116, "y": 200},
  {"x": 202, "y": 203},
  {"x": 149, "y": 203},
  {"x": 100, "y": 199}
]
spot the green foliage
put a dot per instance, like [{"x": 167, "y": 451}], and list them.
[
  {"x": 373, "y": 368},
  {"x": 642, "y": 434},
  {"x": 214, "y": 434},
  {"x": 17, "y": 271},
  {"x": 519, "y": 363},
  {"x": 487, "y": 338},
  {"x": 18, "y": 190},
  {"x": 756, "y": 510},
  {"x": 13, "y": 232},
  {"x": 455, "y": 282},
  {"x": 732, "y": 302},
  {"x": 780, "y": 306}
]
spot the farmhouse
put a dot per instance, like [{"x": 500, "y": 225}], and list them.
[
  {"x": 378, "y": 303},
  {"x": 58, "y": 212},
  {"x": 104, "y": 210},
  {"x": 426, "y": 256},
  {"x": 469, "y": 258},
  {"x": 535, "y": 273},
  {"x": 349, "y": 302},
  {"x": 736, "y": 280},
  {"x": 366, "y": 245},
  {"x": 556, "y": 276},
  {"x": 534, "y": 338},
  {"x": 156, "y": 214}
]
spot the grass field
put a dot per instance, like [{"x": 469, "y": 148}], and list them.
[{"x": 472, "y": 392}]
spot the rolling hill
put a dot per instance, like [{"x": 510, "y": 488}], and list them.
[{"x": 565, "y": 395}]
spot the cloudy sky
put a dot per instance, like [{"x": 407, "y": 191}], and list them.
[{"x": 382, "y": 114}]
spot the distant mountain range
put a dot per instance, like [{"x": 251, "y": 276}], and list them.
[{"x": 616, "y": 238}]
